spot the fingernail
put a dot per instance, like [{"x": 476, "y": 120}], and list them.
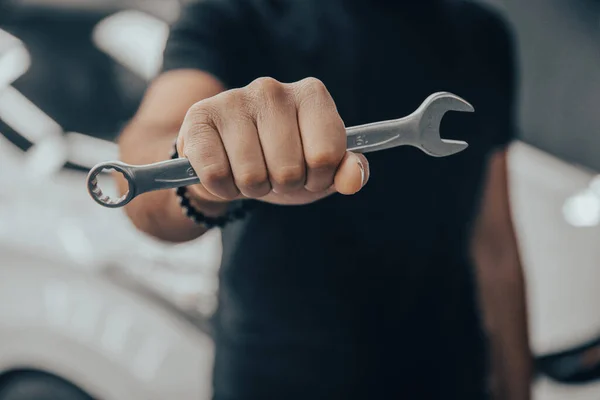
[{"x": 363, "y": 174}]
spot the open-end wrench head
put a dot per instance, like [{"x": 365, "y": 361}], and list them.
[{"x": 432, "y": 112}]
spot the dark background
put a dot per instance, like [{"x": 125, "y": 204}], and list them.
[{"x": 560, "y": 72}]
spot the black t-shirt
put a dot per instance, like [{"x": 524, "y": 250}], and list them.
[{"x": 359, "y": 294}]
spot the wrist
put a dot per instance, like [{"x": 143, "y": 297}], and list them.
[
  {"x": 203, "y": 208},
  {"x": 209, "y": 207}
]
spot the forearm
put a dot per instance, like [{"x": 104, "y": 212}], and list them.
[
  {"x": 501, "y": 280},
  {"x": 150, "y": 137},
  {"x": 504, "y": 304},
  {"x": 158, "y": 213}
]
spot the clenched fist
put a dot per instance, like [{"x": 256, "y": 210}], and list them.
[{"x": 280, "y": 143}]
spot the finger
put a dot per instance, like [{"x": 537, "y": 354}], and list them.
[
  {"x": 279, "y": 135},
  {"x": 353, "y": 174},
  {"x": 201, "y": 144},
  {"x": 242, "y": 144},
  {"x": 322, "y": 132}
]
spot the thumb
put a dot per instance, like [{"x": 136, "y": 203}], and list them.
[{"x": 352, "y": 174}]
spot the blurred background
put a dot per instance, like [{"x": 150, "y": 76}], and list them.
[{"x": 90, "y": 308}]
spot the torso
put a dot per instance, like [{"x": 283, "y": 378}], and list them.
[
  {"x": 372, "y": 259},
  {"x": 376, "y": 67}
]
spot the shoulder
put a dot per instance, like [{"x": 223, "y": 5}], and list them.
[
  {"x": 213, "y": 11},
  {"x": 238, "y": 23},
  {"x": 241, "y": 36},
  {"x": 217, "y": 37},
  {"x": 249, "y": 10},
  {"x": 488, "y": 32}
]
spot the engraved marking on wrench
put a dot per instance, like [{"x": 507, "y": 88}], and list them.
[{"x": 362, "y": 140}]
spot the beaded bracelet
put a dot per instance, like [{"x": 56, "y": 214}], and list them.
[{"x": 237, "y": 212}]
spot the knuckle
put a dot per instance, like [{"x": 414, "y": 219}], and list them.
[
  {"x": 270, "y": 91},
  {"x": 312, "y": 92},
  {"x": 313, "y": 84},
  {"x": 255, "y": 183},
  {"x": 203, "y": 112},
  {"x": 265, "y": 84},
  {"x": 214, "y": 174},
  {"x": 324, "y": 158},
  {"x": 314, "y": 87},
  {"x": 212, "y": 115},
  {"x": 289, "y": 176},
  {"x": 199, "y": 135},
  {"x": 232, "y": 97},
  {"x": 201, "y": 120},
  {"x": 240, "y": 103}
]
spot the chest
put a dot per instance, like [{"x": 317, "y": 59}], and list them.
[
  {"x": 376, "y": 65},
  {"x": 379, "y": 67}
]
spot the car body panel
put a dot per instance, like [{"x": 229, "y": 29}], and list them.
[
  {"x": 61, "y": 313},
  {"x": 56, "y": 317},
  {"x": 560, "y": 260}
]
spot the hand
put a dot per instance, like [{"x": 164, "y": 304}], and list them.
[{"x": 280, "y": 143}]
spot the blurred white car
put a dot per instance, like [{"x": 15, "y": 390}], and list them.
[
  {"x": 556, "y": 208},
  {"x": 89, "y": 307},
  {"x": 86, "y": 298}
]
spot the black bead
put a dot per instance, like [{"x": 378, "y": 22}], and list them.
[{"x": 200, "y": 218}]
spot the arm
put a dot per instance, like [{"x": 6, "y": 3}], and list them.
[
  {"x": 205, "y": 37},
  {"x": 279, "y": 143},
  {"x": 265, "y": 140},
  {"x": 502, "y": 286},
  {"x": 149, "y": 138}
]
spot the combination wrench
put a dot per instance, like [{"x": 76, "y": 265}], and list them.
[{"x": 420, "y": 129}]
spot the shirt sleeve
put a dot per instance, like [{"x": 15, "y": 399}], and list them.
[
  {"x": 212, "y": 36},
  {"x": 500, "y": 60}
]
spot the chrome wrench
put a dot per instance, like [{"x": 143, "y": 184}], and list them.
[{"x": 420, "y": 129}]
